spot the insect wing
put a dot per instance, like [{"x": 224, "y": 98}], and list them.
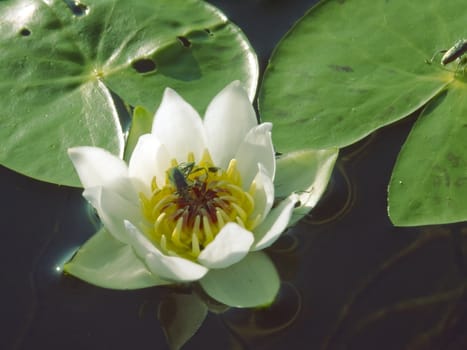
[{"x": 178, "y": 179}]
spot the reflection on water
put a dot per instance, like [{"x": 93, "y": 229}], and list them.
[
  {"x": 254, "y": 326},
  {"x": 349, "y": 278}
]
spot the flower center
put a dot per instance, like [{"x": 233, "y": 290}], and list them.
[{"x": 193, "y": 205}]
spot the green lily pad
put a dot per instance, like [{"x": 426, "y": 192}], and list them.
[
  {"x": 348, "y": 68},
  {"x": 66, "y": 64},
  {"x": 252, "y": 282},
  {"x": 429, "y": 181}
]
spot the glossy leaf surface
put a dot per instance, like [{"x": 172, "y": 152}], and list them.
[
  {"x": 69, "y": 65},
  {"x": 348, "y": 68}
]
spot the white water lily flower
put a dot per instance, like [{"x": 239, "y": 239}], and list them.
[{"x": 196, "y": 202}]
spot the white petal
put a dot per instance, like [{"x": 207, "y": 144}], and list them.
[
  {"x": 113, "y": 209},
  {"x": 172, "y": 268},
  {"x": 96, "y": 166},
  {"x": 175, "y": 268},
  {"x": 231, "y": 244},
  {"x": 228, "y": 119},
  {"x": 264, "y": 194},
  {"x": 256, "y": 148},
  {"x": 307, "y": 173},
  {"x": 140, "y": 243},
  {"x": 149, "y": 158},
  {"x": 107, "y": 263},
  {"x": 179, "y": 127},
  {"x": 253, "y": 281},
  {"x": 275, "y": 223}
]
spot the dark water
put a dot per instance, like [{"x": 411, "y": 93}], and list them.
[{"x": 350, "y": 279}]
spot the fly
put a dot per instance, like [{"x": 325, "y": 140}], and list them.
[{"x": 178, "y": 176}]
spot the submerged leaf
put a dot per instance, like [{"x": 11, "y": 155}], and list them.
[{"x": 181, "y": 315}]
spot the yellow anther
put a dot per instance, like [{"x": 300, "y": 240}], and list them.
[
  {"x": 164, "y": 243},
  {"x": 232, "y": 170},
  {"x": 191, "y": 157},
  {"x": 239, "y": 211},
  {"x": 183, "y": 218},
  {"x": 207, "y": 230},
  {"x": 206, "y": 160},
  {"x": 177, "y": 231},
  {"x": 195, "y": 245},
  {"x": 158, "y": 223},
  {"x": 252, "y": 223},
  {"x": 252, "y": 189},
  {"x": 220, "y": 219},
  {"x": 240, "y": 221},
  {"x": 159, "y": 205},
  {"x": 249, "y": 202},
  {"x": 224, "y": 215},
  {"x": 154, "y": 186}
]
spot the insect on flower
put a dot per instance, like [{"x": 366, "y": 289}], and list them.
[
  {"x": 194, "y": 203},
  {"x": 179, "y": 177}
]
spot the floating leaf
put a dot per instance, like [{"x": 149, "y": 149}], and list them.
[
  {"x": 252, "y": 282},
  {"x": 107, "y": 263},
  {"x": 64, "y": 63},
  {"x": 429, "y": 181},
  {"x": 348, "y": 68}
]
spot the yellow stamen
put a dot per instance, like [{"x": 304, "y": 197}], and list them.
[
  {"x": 195, "y": 245},
  {"x": 206, "y": 159},
  {"x": 176, "y": 233},
  {"x": 154, "y": 186},
  {"x": 157, "y": 208},
  {"x": 191, "y": 157},
  {"x": 207, "y": 230},
  {"x": 163, "y": 243},
  {"x": 253, "y": 223},
  {"x": 185, "y": 215},
  {"x": 252, "y": 189},
  {"x": 158, "y": 223},
  {"x": 240, "y": 221},
  {"x": 220, "y": 219},
  {"x": 241, "y": 213}
]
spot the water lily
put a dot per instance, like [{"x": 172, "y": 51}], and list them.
[{"x": 196, "y": 202}]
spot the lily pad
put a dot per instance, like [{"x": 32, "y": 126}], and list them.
[
  {"x": 66, "y": 65},
  {"x": 348, "y": 68},
  {"x": 429, "y": 181}
]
